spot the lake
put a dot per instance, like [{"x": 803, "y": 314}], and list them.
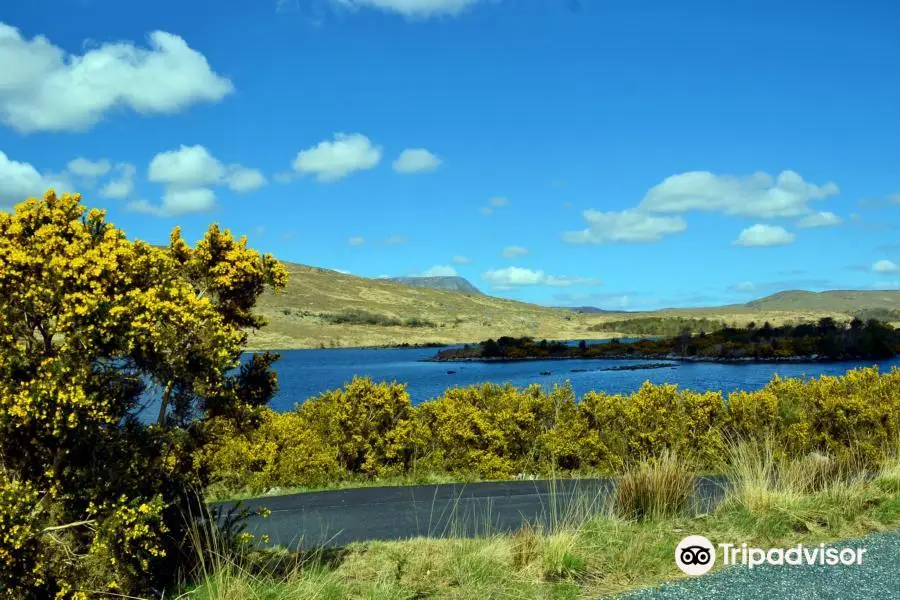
[{"x": 306, "y": 373}]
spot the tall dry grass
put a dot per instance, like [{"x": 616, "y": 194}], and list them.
[{"x": 588, "y": 542}]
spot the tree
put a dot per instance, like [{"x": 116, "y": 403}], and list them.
[
  {"x": 490, "y": 349},
  {"x": 827, "y": 325},
  {"x": 90, "y": 322}
]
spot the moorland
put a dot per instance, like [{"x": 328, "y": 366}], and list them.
[{"x": 321, "y": 308}]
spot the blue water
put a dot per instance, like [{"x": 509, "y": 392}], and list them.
[{"x": 306, "y": 373}]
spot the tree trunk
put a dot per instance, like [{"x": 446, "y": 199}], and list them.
[{"x": 164, "y": 404}]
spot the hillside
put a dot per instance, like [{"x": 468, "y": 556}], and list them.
[
  {"x": 322, "y": 308},
  {"x": 450, "y": 284},
  {"x": 326, "y": 309},
  {"x": 846, "y": 301}
]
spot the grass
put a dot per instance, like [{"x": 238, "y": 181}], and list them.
[
  {"x": 590, "y": 548},
  {"x": 437, "y": 316},
  {"x": 655, "y": 490}
]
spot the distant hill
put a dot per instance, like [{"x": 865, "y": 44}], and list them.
[
  {"x": 590, "y": 310},
  {"x": 450, "y": 284},
  {"x": 844, "y": 301},
  {"x": 324, "y": 308}
]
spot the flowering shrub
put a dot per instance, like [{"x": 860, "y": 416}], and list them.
[
  {"x": 857, "y": 413},
  {"x": 282, "y": 450},
  {"x": 91, "y": 499},
  {"x": 369, "y": 426},
  {"x": 21, "y": 567},
  {"x": 493, "y": 431}
]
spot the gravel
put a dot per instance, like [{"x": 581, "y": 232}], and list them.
[{"x": 878, "y": 577}]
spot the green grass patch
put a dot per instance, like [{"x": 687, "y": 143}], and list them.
[{"x": 598, "y": 549}]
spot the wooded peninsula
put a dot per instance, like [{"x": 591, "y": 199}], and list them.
[{"x": 825, "y": 340}]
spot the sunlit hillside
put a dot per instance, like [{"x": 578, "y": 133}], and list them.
[
  {"x": 323, "y": 308},
  {"x": 310, "y": 312}
]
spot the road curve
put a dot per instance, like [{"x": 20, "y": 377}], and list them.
[{"x": 336, "y": 518}]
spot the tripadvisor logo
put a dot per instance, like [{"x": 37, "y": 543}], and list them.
[{"x": 695, "y": 555}]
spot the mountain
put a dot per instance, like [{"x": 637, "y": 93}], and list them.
[
  {"x": 843, "y": 301},
  {"x": 450, "y": 284},
  {"x": 591, "y": 310},
  {"x": 324, "y": 308}
]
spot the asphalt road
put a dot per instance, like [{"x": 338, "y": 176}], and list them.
[
  {"x": 336, "y": 518},
  {"x": 877, "y": 578}
]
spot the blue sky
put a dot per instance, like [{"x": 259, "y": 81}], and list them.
[{"x": 618, "y": 153}]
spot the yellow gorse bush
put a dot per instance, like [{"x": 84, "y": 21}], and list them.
[
  {"x": 494, "y": 431},
  {"x": 91, "y": 498}
]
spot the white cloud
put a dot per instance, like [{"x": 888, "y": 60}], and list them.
[
  {"x": 334, "y": 160},
  {"x": 493, "y": 204},
  {"x": 123, "y": 185},
  {"x": 745, "y": 287},
  {"x": 88, "y": 168},
  {"x": 885, "y": 266},
  {"x": 514, "y": 251},
  {"x": 20, "y": 180},
  {"x": 395, "y": 240},
  {"x": 820, "y": 219},
  {"x": 243, "y": 179},
  {"x": 461, "y": 260},
  {"x": 189, "y": 166},
  {"x": 356, "y": 241},
  {"x": 627, "y": 226},
  {"x": 422, "y": 9},
  {"x": 895, "y": 198},
  {"x": 178, "y": 202},
  {"x": 42, "y": 88},
  {"x": 517, "y": 276},
  {"x": 416, "y": 160},
  {"x": 562, "y": 280},
  {"x": 886, "y": 285},
  {"x": 188, "y": 173},
  {"x": 764, "y": 235},
  {"x": 440, "y": 271},
  {"x": 758, "y": 195},
  {"x": 343, "y": 271},
  {"x": 514, "y": 276}
]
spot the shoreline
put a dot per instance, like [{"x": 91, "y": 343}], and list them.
[
  {"x": 593, "y": 338},
  {"x": 366, "y": 347},
  {"x": 688, "y": 359}
]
